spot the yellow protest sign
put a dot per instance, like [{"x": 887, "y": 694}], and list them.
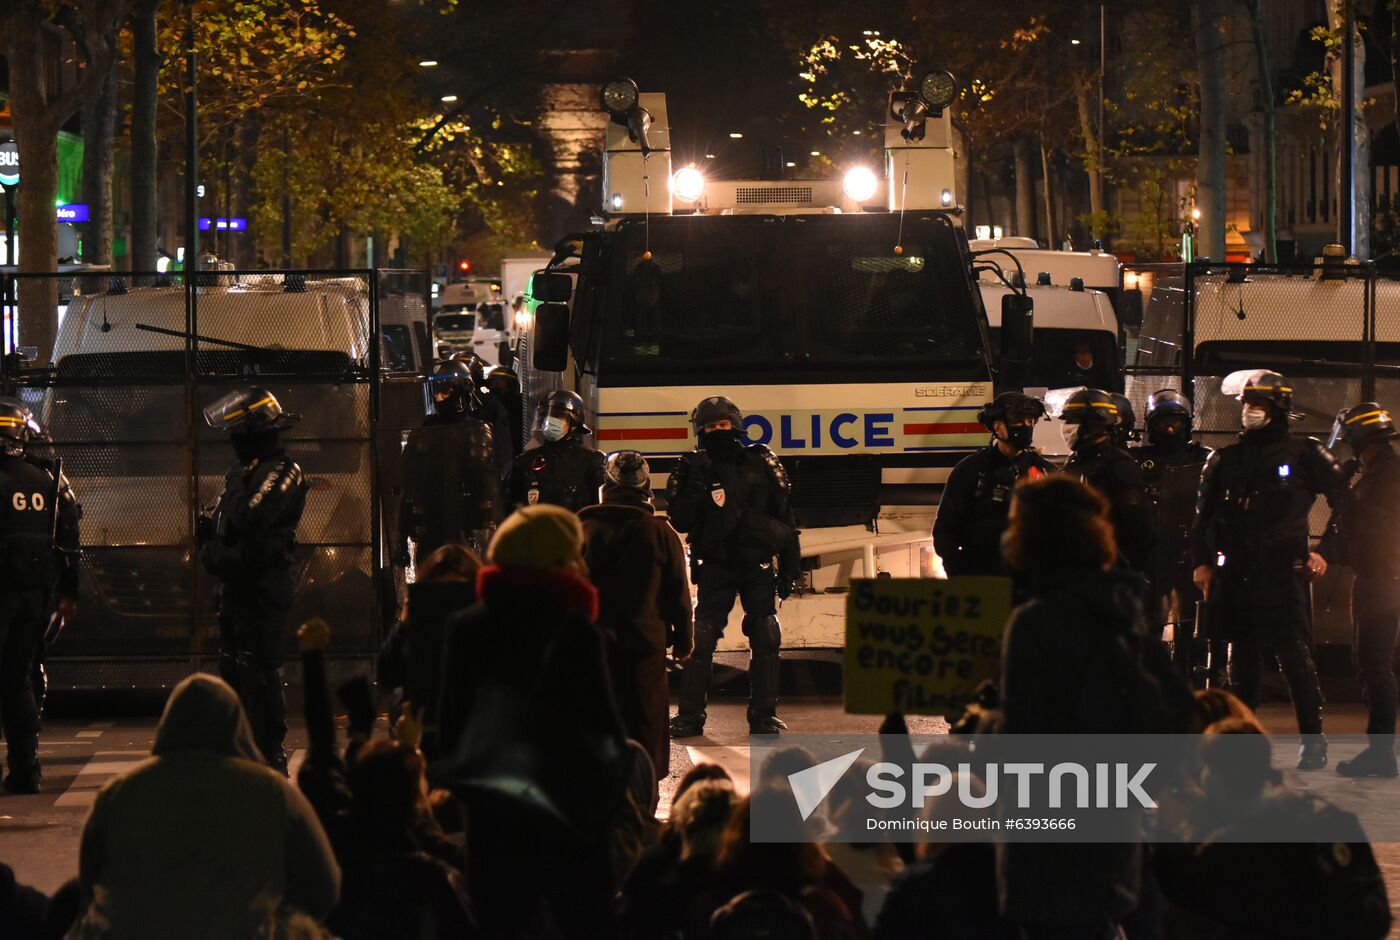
[{"x": 922, "y": 646}]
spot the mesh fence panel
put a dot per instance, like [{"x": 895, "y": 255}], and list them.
[{"x": 132, "y": 363}]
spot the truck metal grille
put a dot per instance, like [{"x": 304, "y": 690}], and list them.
[
  {"x": 795, "y": 195},
  {"x": 834, "y": 491}
]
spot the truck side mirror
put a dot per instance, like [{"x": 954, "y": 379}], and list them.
[
  {"x": 551, "y": 339},
  {"x": 1131, "y": 314},
  {"x": 551, "y": 288},
  {"x": 1017, "y": 327}
]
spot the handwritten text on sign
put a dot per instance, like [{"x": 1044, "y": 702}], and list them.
[{"x": 922, "y": 646}]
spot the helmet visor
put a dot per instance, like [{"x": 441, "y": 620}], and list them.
[
  {"x": 239, "y": 408},
  {"x": 1235, "y": 383},
  {"x": 1055, "y": 400},
  {"x": 1338, "y": 434}
]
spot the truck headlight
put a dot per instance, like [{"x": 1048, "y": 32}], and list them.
[
  {"x": 860, "y": 184},
  {"x": 688, "y": 184}
]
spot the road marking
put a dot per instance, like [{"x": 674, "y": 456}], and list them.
[
  {"x": 102, "y": 724},
  {"x": 90, "y": 734},
  {"x": 83, "y": 790}
]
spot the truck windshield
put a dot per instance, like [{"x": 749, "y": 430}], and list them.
[
  {"x": 454, "y": 321},
  {"x": 798, "y": 294}
]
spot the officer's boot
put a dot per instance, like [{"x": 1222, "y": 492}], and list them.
[
  {"x": 1377, "y": 760},
  {"x": 765, "y": 638},
  {"x": 1306, "y": 693},
  {"x": 696, "y": 673},
  {"x": 20, "y": 719},
  {"x": 266, "y": 705}
]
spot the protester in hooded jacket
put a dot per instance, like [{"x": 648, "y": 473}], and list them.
[
  {"x": 1076, "y": 659},
  {"x": 541, "y": 756},
  {"x": 203, "y": 839},
  {"x": 637, "y": 563}
]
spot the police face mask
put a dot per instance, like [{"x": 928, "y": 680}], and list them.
[
  {"x": 1254, "y": 417},
  {"x": 1072, "y": 434},
  {"x": 1019, "y": 436},
  {"x": 1169, "y": 433},
  {"x": 722, "y": 444},
  {"x": 555, "y": 428},
  {"x": 249, "y": 447}
]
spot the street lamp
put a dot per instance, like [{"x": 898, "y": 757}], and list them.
[
  {"x": 448, "y": 99},
  {"x": 428, "y": 64}
]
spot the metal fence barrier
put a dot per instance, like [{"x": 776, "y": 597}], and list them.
[{"x": 120, "y": 388}]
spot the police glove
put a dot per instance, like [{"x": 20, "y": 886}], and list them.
[
  {"x": 401, "y": 558},
  {"x": 204, "y": 529},
  {"x": 785, "y": 588}
]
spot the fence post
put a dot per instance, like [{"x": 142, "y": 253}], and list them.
[
  {"x": 1188, "y": 334},
  {"x": 192, "y": 411},
  {"x": 376, "y": 510},
  {"x": 1368, "y": 341}
]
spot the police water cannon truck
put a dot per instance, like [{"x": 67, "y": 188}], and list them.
[{"x": 842, "y": 315}]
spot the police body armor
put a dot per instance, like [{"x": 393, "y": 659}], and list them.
[
  {"x": 564, "y": 473},
  {"x": 729, "y": 510},
  {"x": 36, "y": 547},
  {"x": 451, "y": 488},
  {"x": 252, "y": 531},
  {"x": 1173, "y": 479},
  {"x": 989, "y": 506},
  {"x": 1264, "y": 492}
]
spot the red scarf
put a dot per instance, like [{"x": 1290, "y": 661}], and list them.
[{"x": 517, "y": 587}]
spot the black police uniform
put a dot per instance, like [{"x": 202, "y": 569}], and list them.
[
  {"x": 735, "y": 512},
  {"x": 1369, "y": 526},
  {"x": 565, "y": 472},
  {"x": 1172, "y": 475},
  {"x": 38, "y": 555},
  {"x": 1252, "y": 531},
  {"x": 973, "y": 510},
  {"x": 247, "y": 544},
  {"x": 451, "y": 489},
  {"x": 490, "y": 409},
  {"x": 1114, "y": 473}
]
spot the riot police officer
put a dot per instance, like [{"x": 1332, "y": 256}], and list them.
[
  {"x": 1250, "y": 547},
  {"x": 562, "y": 470},
  {"x": 1125, "y": 431},
  {"x": 731, "y": 499},
  {"x": 1171, "y": 465},
  {"x": 972, "y": 512},
  {"x": 1090, "y": 416},
  {"x": 247, "y": 543},
  {"x": 1369, "y": 528},
  {"x": 39, "y": 558},
  {"x": 451, "y": 488},
  {"x": 483, "y": 406},
  {"x": 503, "y": 387}
]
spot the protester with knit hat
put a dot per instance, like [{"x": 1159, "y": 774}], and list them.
[
  {"x": 540, "y": 752},
  {"x": 637, "y": 563}
]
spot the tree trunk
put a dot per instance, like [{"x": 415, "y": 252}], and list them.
[
  {"x": 146, "y": 76},
  {"x": 1093, "y": 163},
  {"x": 1025, "y": 188},
  {"x": 962, "y": 169},
  {"x": 1360, "y": 221},
  {"x": 99, "y": 127},
  {"x": 1210, "y": 165},
  {"x": 1266, "y": 94},
  {"x": 1049, "y": 197}
]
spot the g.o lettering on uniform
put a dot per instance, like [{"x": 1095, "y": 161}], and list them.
[{"x": 34, "y": 501}]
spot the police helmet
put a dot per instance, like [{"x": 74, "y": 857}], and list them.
[
  {"x": 1091, "y": 406},
  {"x": 1127, "y": 416},
  {"x": 450, "y": 375},
  {"x": 249, "y": 410},
  {"x": 1360, "y": 424},
  {"x": 1259, "y": 387},
  {"x": 1168, "y": 401},
  {"x": 715, "y": 409},
  {"x": 1010, "y": 406},
  {"x": 17, "y": 422},
  {"x": 566, "y": 404},
  {"x": 506, "y": 373},
  {"x": 475, "y": 365}
]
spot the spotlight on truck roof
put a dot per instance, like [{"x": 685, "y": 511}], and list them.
[
  {"x": 938, "y": 88},
  {"x": 860, "y": 184},
  {"x": 620, "y": 96},
  {"x": 688, "y": 184}
]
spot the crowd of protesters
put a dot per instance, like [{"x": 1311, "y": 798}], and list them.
[{"x": 521, "y": 801}]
